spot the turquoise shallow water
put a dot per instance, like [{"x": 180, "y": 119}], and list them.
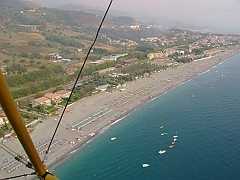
[{"x": 205, "y": 112}]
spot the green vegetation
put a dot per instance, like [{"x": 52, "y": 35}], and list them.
[
  {"x": 29, "y": 34},
  {"x": 65, "y": 41},
  {"x": 2, "y": 133}
]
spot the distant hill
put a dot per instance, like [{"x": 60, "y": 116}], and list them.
[
  {"x": 28, "y": 30},
  {"x": 13, "y": 4},
  {"x": 83, "y": 8},
  {"x": 74, "y": 7},
  {"x": 31, "y": 4},
  {"x": 124, "y": 20},
  {"x": 22, "y": 13}
]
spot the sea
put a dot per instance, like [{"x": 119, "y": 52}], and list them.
[{"x": 204, "y": 113}]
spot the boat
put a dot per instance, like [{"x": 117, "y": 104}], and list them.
[
  {"x": 161, "y": 126},
  {"x": 176, "y": 136},
  {"x": 171, "y": 146},
  {"x": 162, "y": 151},
  {"x": 113, "y": 138},
  {"x": 162, "y": 134},
  {"x": 173, "y": 142},
  {"x": 174, "y": 139},
  {"x": 145, "y": 165}
]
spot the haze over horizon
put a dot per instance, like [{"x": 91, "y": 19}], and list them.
[{"x": 218, "y": 14}]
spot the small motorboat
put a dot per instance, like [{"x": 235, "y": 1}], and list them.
[
  {"x": 171, "y": 146},
  {"x": 145, "y": 165},
  {"x": 176, "y": 136},
  {"x": 162, "y": 151},
  {"x": 113, "y": 138}
]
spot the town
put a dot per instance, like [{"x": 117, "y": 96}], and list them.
[{"x": 41, "y": 80}]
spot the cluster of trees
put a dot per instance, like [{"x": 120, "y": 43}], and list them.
[
  {"x": 29, "y": 116},
  {"x": 145, "y": 48},
  {"x": 200, "y": 51},
  {"x": 29, "y": 20},
  {"x": 65, "y": 41},
  {"x": 100, "y": 51},
  {"x": 41, "y": 44},
  {"x": 39, "y": 86},
  {"x": 33, "y": 55},
  {"x": 36, "y": 81},
  {"x": 81, "y": 37},
  {"x": 16, "y": 68},
  {"x": 85, "y": 91},
  {"x": 141, "y": 68},
  {"x": 135, "y": 70},
  {"x": 88, "y": 71},
  {"x": 40, "y": 75},
  {"x": 2, "y": 133}
]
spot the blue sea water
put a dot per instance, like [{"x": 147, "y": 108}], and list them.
[{"x": 205, "y": 112}]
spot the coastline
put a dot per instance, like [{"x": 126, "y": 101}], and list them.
[
  {"x": 150, "y": 98},
  {"x": 122, "y": 103}
]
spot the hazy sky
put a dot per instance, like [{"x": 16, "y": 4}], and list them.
[{"x": 217, "y": 13}]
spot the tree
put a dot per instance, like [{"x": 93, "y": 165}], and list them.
[
  {"x": 36, "y": 55},
  {"x": 22, "y": 104},
  {"x": 24, "y": 55},
  {"x": 32, "y": 116},
  {"x": 31, "y": 61},
  {"x": 43, "y": 67},
  {"x": 2, "y": 133},
  {"x": 22, "y": 61},
  {"x": 6, "y": 61},
  {"x": 47, "y": 57},
  {"x": 39, "y": 94},
  {"x": 59, "y": 88}
]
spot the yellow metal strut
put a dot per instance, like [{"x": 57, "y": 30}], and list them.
[{"x": 9, "y": 106}]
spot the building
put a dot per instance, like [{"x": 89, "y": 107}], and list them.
[
  {"x": 102, "y": 87},
  {"x": 63, "y": 93},
  {"x": 4, "y": 69},
  {"x": 155, "y": 55},
  {"x": 130, "y": 61},
  {"x": 3, "y": 119},
  {"x": 55, "y": 98},
  {"x": 41, "y": 101},
  {"x": 106, "y": 70},
  {"x": 113, "y": 57},
  {"x": 212, "y": 51},
  {"x": 95, "y": 63}
]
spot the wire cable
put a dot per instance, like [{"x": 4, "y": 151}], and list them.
[
  {"x": 79, "y": 74},
  {"x": 13, "y": 177},
  {"x": 17, "y": 157}
]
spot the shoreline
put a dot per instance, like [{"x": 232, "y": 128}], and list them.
[
  {"x": 137, "y": 93},
  {"x": 98, "y": 132}
]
